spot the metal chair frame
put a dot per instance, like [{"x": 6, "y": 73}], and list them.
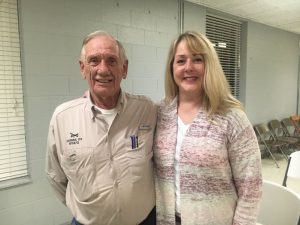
[
  {"x": 292, "y": 168},
  {"x": 267, "y": 138},
  {"x": 281, "y": 134}
]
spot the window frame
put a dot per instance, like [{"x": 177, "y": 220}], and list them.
[
  {"x": 225, "y": 34},
  {"x": 14, "y": 169}
]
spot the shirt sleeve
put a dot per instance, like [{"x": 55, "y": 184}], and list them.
[
  {"x": 245, "y": 161},
  {"x": 54, "y": 172}
]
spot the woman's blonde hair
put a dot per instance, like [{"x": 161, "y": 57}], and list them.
[{"x": 217, "y": 98}]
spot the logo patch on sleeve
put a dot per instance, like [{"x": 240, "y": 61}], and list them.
[{"x": 74, "y": 139}]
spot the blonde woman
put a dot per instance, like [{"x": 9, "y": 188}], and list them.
[{"x": 207, "y": 159}]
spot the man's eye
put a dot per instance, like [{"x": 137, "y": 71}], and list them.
[
  {"x": 112, "y": 61},
  {"x": 93, "y": 62}
]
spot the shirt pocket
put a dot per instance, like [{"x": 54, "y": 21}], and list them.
[
  {"x": 78, "y": 165},
  {"x": 139, "y": 154},
  {"x": 139, "y": 145}
]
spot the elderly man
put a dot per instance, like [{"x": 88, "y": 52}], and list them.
[{"x": 99, "y": 151}]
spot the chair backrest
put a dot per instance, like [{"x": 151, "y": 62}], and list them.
[
  {"x": 276, "y": 128},
  {"x": 288, "y": 126},
  {"x": 263, "y": 131},
  {"x": 279, "y": 205},
  {"x": 296, "y": 122}
]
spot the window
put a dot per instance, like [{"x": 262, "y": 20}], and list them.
[
  {"x": 13, "y": 162},
  {"x": 225, "y": 35}
]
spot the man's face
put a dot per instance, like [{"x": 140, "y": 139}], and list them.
[{"x": 103, "y": 68}]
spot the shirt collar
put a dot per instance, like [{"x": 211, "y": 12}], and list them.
[{"x": 93, "y": 111}]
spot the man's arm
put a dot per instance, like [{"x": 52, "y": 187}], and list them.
[{"x": 54, "y": 172}]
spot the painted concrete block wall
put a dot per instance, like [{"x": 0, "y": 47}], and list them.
[
  {"x": 194, "y": 17},
  {"x": 51, "y": 33},
  {"x": 271, "y": 74}
]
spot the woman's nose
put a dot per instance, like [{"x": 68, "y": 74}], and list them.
[{"x": 189, "y": 65}]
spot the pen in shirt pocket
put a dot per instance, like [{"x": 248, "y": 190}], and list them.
[{"x": 134, "y": 141}]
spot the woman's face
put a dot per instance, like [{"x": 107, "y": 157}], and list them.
[{"x": 188, "y": 70}]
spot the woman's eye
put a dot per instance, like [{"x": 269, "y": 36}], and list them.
[
  {"x": 180, "y": 61},
  {"x": 198, "y": 59}
]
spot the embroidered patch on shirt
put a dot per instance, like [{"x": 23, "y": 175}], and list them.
[{"x": 74, "y": 139}]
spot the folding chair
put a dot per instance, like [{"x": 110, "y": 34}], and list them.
[
  {"x": 266, "y": 138},
  {"x": 293, "y": 167},
  {"x": 296, "y": 122},
  {"x": 279, "y": 205},
  {"x": 281, "y": 134},
  {"x": 289, "y": 128}
]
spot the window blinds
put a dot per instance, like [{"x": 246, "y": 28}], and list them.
[
  {"x": 225, "y": 34},
  {"x": 13, "y": 162}
]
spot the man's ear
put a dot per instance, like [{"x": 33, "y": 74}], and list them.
[
  {"x": 81, "y": 64},
  {"x": 125, "y": 69}
]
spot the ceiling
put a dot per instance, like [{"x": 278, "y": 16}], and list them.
[{"x": 282, "y": 14}]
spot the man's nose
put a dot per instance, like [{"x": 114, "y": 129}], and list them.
[{"x": 102, "y": 66}]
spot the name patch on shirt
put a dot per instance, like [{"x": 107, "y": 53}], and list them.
[
  {"x": 144, "y": 127},
  {"x": 74, "y": 139}
]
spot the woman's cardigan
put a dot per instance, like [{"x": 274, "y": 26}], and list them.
[{"x": 220, "y": 169}]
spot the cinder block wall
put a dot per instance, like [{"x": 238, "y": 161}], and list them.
[
  {"x": 51, "y": 35},
  {"x": 52, "y": 32}
]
